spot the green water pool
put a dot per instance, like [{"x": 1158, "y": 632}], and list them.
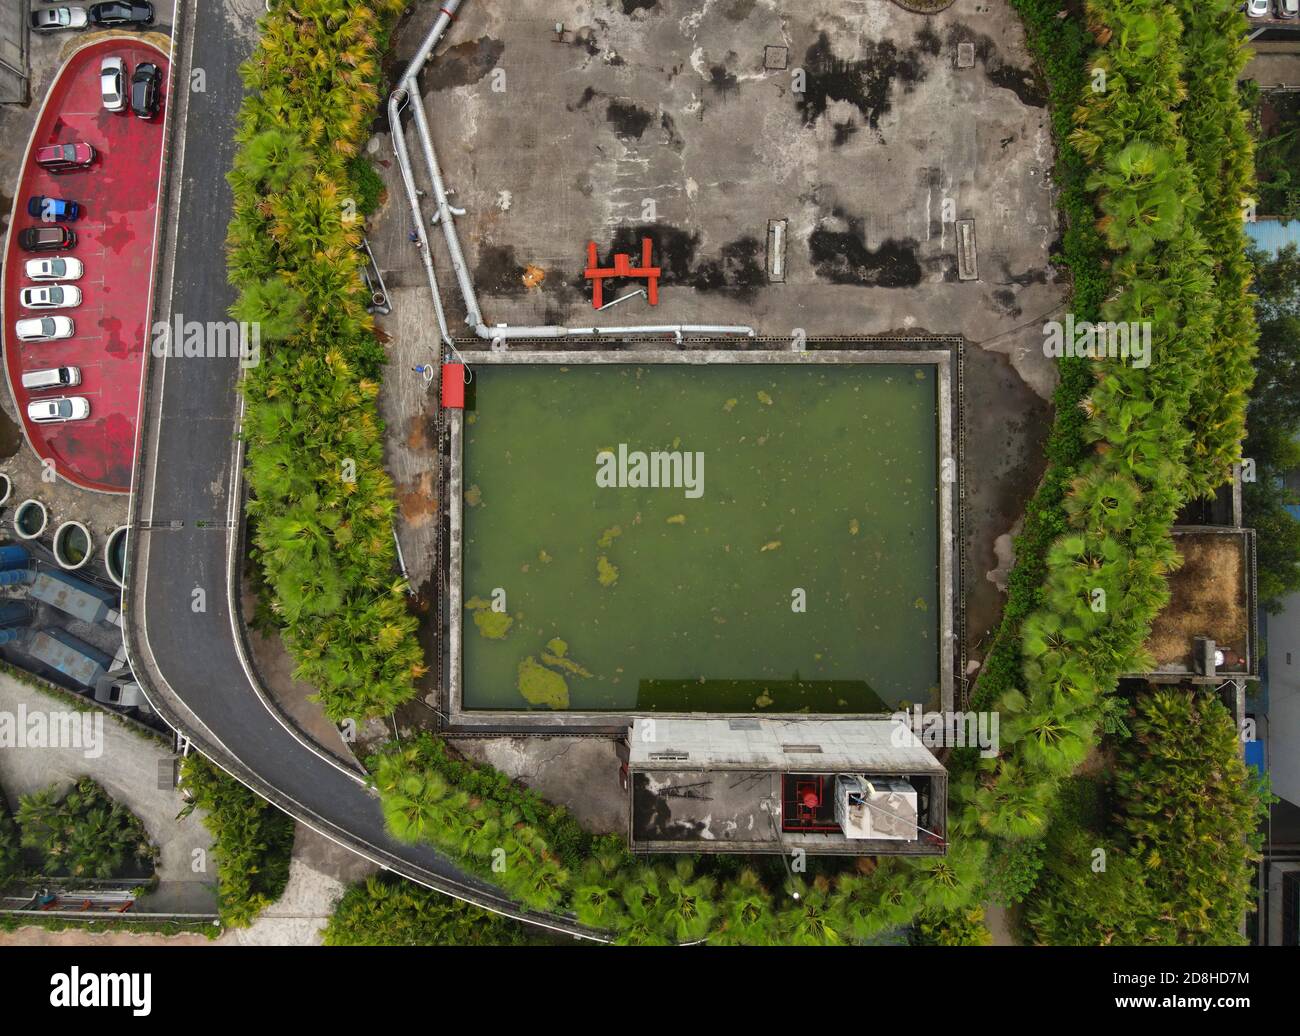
[{"x": 585, "y": 590}]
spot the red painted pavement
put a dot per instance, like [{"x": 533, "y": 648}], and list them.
[{"x": 115, "y": 241}]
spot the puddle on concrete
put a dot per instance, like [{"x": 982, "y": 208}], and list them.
[
  {"x": 464, "y": 64},
  {"x": 499, "y": 271},
  {"x": 629, "y": 120},
  {"x": 865, "y": 83},
  {"x": 840, "y": 255}
]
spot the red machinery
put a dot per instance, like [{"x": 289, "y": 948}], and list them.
[{"x": 622, "y": 269}]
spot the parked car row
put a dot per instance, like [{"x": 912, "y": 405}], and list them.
[
  {"x": 144, "y": 94},
  {"x": 115, "y": 14},
  {"x": 1267, "y": 8}
]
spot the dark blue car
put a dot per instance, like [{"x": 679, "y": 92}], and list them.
[{"x": 53, "y": 210}]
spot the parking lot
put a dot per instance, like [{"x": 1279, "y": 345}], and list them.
[{"x": 115, "y": 242}]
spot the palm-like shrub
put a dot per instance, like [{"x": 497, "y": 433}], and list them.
[
  {"x": 252, "y": 841},
  {"x": 83, "y": 833}
]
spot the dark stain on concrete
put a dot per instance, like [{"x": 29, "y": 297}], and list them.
[
  {"x": 499, "y": 272},
  {"x": 1005, "y": 300},
  {"x": 1020, "y": 82},
  {"x": 1023, "y": 83},
  {"x": 844, "y": 132},
  {"x": 672, "y": 138},
  {"x": 588, "y": 95},
  {"x": 585, "y": 39},
  {"x": 739, "y": 10},
  {"x": 928, "y": 41},
  {"x": 841, "y": 256},
  {"x": 722, "y": 81},
  {"x": 464, "y": 64},
  {"x": 629, "y": 120},
  {"x": 866, "y": 83},
  {"x": 630, "y": 7},
  {"x": 737, "y": 269}
]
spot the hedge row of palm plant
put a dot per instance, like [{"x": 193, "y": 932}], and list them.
[
  {"x": 321, "y": 506},
  {"x": 252, "y": 841},
  {"x": 389, "y": 911},
  {"x": 1173, "y": 863},
  {"x": 82, "y": 832},
  {"x": 1105, "y": 573},
  {"x": 510, "y": 836},
  {"x": 1170, "y": 175}
]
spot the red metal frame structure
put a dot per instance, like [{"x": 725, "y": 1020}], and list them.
[{"x": 622, "y": 269}]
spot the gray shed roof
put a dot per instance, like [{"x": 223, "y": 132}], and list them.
[{"x": 759, "y": 743}]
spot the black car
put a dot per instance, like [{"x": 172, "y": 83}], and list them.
[
  {"x": 116, "y": 14},
  {"x": 46, "y": 239},
  {"x": 144, "y": 89}
]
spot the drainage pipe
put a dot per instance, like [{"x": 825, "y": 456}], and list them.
[
  {"x": 408, "y": 89},
  {"x": 413, "y": 199}
]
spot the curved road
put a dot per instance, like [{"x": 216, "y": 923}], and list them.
[{"x": 188, "y": 494}]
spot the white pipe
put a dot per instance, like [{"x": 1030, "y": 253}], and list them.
[
  {"x": 413, "y": 199},
  {"x": 408, "y": 86}
]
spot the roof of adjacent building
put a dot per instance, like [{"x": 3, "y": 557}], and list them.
[
  {"x": 1271, "y": 235},
  {"x": 762, "y": 743}
]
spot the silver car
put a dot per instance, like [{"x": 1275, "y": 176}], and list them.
[
  {"x": 54, "y": 18},
  {"x": 112, "y": 84},
  {"x": 64, "y": 408},
  {"x": 50, "y": 296}
]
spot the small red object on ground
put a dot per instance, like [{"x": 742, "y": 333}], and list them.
[
  {"x": 453, "y": 385},
  {"x": 622, "y": 268}
]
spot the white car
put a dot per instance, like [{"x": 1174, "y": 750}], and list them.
[
  {"x": 55, "y": 18},
  {"x": 64, "y": 408},
  {"x": 52, "y": 296},
  {"x": 59, "y": 269},
  {"x": 1257, "y": 8},
  {"x": 44, "y": 329},
  {"x": 112, "y": 84}
]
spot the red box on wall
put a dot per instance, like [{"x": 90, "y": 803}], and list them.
[{"x": 453, "y": 385}]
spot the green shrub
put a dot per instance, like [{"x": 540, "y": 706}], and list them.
[
  {"x": 963, "y": 927},
  {"x": 1174, "y": 863},
  {"x": 1014, "y": 866},
  {"x": 388, "y": 911},
  {"x": 367, "y": 185},
  {"x": 10, "y": 845},
  {"x": 321, "y": 501},
  {"x": 83, "y": 833},
  {"x": 252, "y": 841}
]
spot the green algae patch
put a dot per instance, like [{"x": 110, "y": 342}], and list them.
[
  {"x": 606, "y": 573},
  {"x": 491, "y": 624},
  {"x": 542, "y": 686}
]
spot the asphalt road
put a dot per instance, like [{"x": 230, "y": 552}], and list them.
[{"x": 190, "y": 661}]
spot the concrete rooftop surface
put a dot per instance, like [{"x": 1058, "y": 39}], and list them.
[{"x": 682, "y": 123}]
